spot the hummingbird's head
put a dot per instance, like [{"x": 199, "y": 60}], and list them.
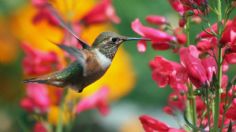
[{"x": 112, "y": 39}]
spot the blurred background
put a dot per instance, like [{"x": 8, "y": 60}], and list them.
[{"x": 132, "y": 93}]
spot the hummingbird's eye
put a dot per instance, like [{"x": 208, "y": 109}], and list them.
[{"x": 114, "y": 40}]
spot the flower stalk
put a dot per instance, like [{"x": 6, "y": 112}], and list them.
[
  {"x": 61, "y": 111},
  {"x": 191, "y": 98},
  {"x": 216, "y": 108}
]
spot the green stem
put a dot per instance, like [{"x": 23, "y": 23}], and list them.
[
  {"x": 191, "y": 98},
  {"x": 59, "y": 127},
  {"x": 216, "y": 108}
]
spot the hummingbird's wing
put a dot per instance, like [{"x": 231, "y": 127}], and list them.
[{"x": 63, "y": 24}]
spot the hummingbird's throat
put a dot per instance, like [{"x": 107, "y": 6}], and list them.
[{"x": 109, "y": 50}]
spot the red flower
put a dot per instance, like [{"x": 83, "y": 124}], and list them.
[
  {"x": 39, "y": 127},
  {"x": 141, "y": 46},
  {"x": 44, "y": 14},
  {"x": 154, "y": 34},
  {"x": 168, "y": 72},
  {"x": 168, "y": 110},
  {"x": 210, "y": 66},
  {"x": 158, "y": 20},
  {"x": 231, "y": 58},
  {"x": 102, "y": 12},
  {"x": 37, "y": 98},
  {"x": 177, "y": 100},
  {"x": 37, "y": 62},
  {"x": 207, "y": 44},
  {"x": 151, "y": 125},
  {"x": 229, "y": 34},
  {"x": 178, "y": 6},
  {"x": 97, "y": 100},
  {"x": 196, "y": 71},
  {"x": 39, "y": 3},
  {"x": 181, "y": 37},
  {"x": 182, "y": 6}
]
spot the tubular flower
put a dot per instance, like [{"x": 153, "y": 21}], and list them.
[
  {"x": 196, "y": 71},
  {"x": 177, "y": 100},
  {"x": 37, "y": 62},
  {"x": 97, "y": 100},
  {"x": 101, "y": 13},
  {"x": 167, "y": 72},
  {"x": 39, "y": 127},
  {"x": 150, "y": 125},
  {"x": 141, "y": 46},
  {"x": 153, "y": 34},
  {"x": 160, "y": 39},
  {"x": 37, "y": 99},
  {"x": 182, "y": 6},
  {"x": 158, "y": 20}
]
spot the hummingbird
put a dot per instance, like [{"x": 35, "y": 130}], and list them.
[{"x": 91, "y": 62}]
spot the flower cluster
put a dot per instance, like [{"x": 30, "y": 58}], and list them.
[{"x": 201, "y": 90}]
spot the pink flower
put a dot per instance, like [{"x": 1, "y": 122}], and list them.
[
  {"x": 181, "y": 37},
  {"x": 44, "y": 14},
  {"x": 196, "y": 71},
  {"x": 231, "y": 58},
  {"x": 37, "y": 62},
  {"x": 151, "y": 125},
  {"x": 154, "y": 34},
  {"x": 178, "y": 6},
  {"x": 39, "y": 3},
  {"x": 167, "y": 72},
  {"x": 210, "y": 66},
  {"x": 97, "y": 100},
  {"x": 207, "y": 44},
  {"x": 182, "y": 6},
  {"x": 102, "y": 12},
  {"x": 229, "y": 34},
  {"x": 39, "y": 127},
  {"x": 158, "y": 20},
  {"x": 207, "y": 32},
  {"x": 141, "y": 46},
  {"x": 161, "y": 45},
  {"x": 177, "y": 100},
  {"x": 168, "y": 110},
  {"x": 37, "y": 98}
]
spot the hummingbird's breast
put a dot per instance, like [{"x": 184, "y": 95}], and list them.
[{"x": 96, "y": 62}]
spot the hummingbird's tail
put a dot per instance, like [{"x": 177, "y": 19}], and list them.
[{"x": 51, "y": 79}]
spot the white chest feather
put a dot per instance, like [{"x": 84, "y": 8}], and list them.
[{"x": 102, "y": 59}]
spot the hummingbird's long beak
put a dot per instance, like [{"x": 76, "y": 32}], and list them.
[{"x": 131, "y": 39}]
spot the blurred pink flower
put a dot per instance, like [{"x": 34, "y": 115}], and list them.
[
  {"x": 154, "y": 19},
  {"x": 181, "y": 37},
  {"x": 37, "y": 98},
  {"x": 229, "y": 34},
  {"x": 39, "y": 3},
  {"x": 44, "y": 14},
  {"x": 97, "y": 100},
  {"x": 177, "y": 100},
  {"x": 178, "y": 6},
  {"x": 102, "y": 12},
  {"x": 207, "y": 44},
  {"x": 141, "y": 46},
  {"x": 182, "y": 6},
  {"x": 39, "y": 127},
  {"x": 37, "y": 62},
  {"x": 152, "y": 125},
  {"x": 230, "y": 58}
]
